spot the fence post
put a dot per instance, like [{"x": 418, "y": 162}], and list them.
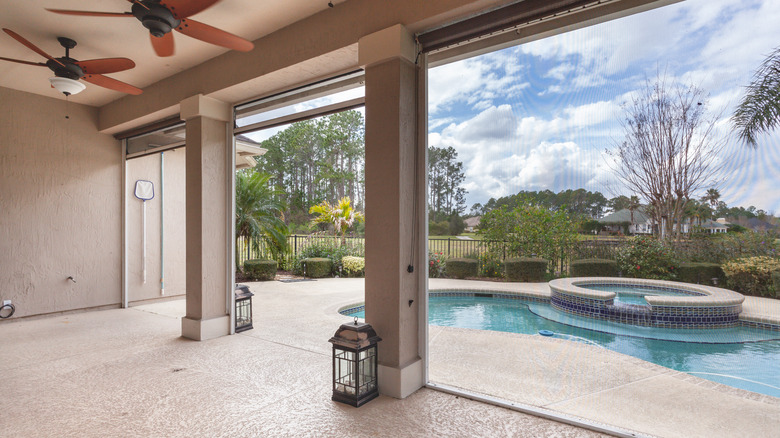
[{"x": 448, "y": 247}]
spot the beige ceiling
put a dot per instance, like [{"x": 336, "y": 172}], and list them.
[{"x": 100, "y": 37}]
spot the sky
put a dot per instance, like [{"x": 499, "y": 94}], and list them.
[{"x": 541, "y": 115}]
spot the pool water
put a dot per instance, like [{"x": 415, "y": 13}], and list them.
[
  {"x": 634, "y": 294},
  {"x": 741, "y": 357}
]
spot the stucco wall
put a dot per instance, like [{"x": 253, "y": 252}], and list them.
[
  {"x": 60, "y": 191},
  {"x": 173, "y": 194}
]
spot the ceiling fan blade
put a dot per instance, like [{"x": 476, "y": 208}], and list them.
[
  {"x": 31, "y": 46},
  {"x": 212, "y": 35},
  {"x": 163, "y": 45},
  {"x": 23, "y": 62},
  {"x": 185, "y": 8},
  {"x": 106, "y": 65},
  {"x": 142, "y": 5},
  {"x": 91, "y": 13},
  {"x": 112, "y": 84}
]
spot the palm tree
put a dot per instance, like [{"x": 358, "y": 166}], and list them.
[
  {"x": 341, "y": 215},
  {"x": 712, "y": 197},
  {"x": 759, "y": 110},
  {"x": 259, "y": 212}
]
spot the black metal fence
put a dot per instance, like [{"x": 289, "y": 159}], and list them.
[{"x": 449, "y": 248}]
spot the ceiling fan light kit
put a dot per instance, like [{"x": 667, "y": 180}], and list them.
[
  {"x": 68, "y": 71},
  {"x": 67, "y": 86}
]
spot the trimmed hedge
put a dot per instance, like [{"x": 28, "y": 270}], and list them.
[
  {"x": 317, "y": 267},
  {"x": 594, "y": 268},
  {"x": 354, "y": 266},
  {"x": 260, "y": 270},
  {"x": 701, "y": 273},
  {"x": 529, "y": 270},
  {"x": 776, "y": 283},
  {"x": 462, "y": 268},
  {"x": 752, "y": 275}
]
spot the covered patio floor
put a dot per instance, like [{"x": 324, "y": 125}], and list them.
[{"x": 130, "y": 373}]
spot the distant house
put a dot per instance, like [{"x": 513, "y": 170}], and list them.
[
  {"x": 753, "y": 223},
  {"x": 713, "y": 227},
  {"x": 472, "y": 223},
  {"x": 756, "y": 224},
  {"x": 614, "y": 222},
  {"x": 246, "y": 150}
]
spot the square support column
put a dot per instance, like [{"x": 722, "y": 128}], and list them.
[
  {"x": 207, "y": 217},
  {"x": 394, "y": 226}
]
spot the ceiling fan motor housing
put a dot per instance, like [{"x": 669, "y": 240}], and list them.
[
  {"x": 69, "y": 70},
  {"x": 155, "y": 17}
]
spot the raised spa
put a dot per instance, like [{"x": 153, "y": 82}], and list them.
[{"x": 669, "y": 304}]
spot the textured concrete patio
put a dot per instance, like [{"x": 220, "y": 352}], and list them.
[{"x": 129, "y": 373}]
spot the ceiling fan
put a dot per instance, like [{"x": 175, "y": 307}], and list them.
[
  {"x": 68, "y": 71},
  {"x": 161, "y": 16}
]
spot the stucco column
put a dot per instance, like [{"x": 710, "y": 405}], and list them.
[
  {"x": 392, "y": 293},
  {"x": 206, "y": 194}
]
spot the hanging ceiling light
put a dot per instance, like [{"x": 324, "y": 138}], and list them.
[{"x": 67, "y": 86}]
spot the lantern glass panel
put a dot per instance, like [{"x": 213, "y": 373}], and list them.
[
  {"x": 243, "y": 312},
  {"x": 345, "y": 375},
  {"x": 366, "y": 370}
]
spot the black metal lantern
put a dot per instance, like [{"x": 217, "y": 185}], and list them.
[
  {"x": 243, "y": 308},
  {"x": 355, "y": 364}
]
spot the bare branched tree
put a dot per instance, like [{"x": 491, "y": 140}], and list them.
[{"x": 670, "y": 150}]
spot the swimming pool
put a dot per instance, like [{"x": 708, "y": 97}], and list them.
[{"x": 741, "y": 357}]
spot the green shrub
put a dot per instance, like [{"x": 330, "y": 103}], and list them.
[
  {"x": 438, "y": 228},
  {"x": 594, "y": 268},
  {"x": 260, "y": 270},
  {"x": 776, "y": 283},
  {"x": 462, "y": 268},
  {"x": 529, "y": 231},
  {"x": 329, "y": 248},
  {"x": 751, "y": 275},
  {"x": 353, "y": 266},
  {"x": 437, "y": 267},
  {"x": 701, "y": 273},
  {"x": 530, "y": 270},
  {"x": 490, "y": 265},
  {"x": 647, "y": 257},
  {"x": 317, "y": 267}
]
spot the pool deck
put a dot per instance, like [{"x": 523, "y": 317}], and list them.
[{"x": 129, "y": 373}]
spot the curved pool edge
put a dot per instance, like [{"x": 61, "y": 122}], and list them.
[
  {"x": 701, "y": 296},
  {"x": 706, "y": 307}
]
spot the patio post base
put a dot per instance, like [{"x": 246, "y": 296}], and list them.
[
  {"x": 203, "y": 329},
  {"x": 401, "y": 382}
]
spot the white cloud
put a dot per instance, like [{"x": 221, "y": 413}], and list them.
[
  {"x": 476, "y": 82},
  {"x": 502, "y": 155}
]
